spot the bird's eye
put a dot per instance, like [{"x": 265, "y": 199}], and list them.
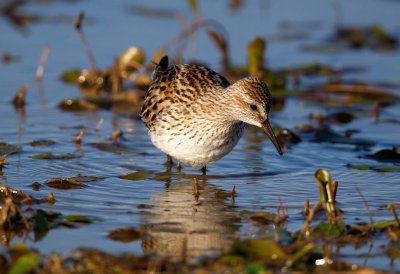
[{"x": 253, "y": 107}]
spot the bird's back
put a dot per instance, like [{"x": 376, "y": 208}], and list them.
[{"x": 179, "y": 85}]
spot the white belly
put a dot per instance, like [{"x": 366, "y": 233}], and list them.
[{"x": 197, "y": 152}]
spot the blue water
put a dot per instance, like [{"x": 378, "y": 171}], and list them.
[{"x": 165, "y": 206}]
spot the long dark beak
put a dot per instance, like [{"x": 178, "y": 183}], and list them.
[{"x": 270, "y": 133}]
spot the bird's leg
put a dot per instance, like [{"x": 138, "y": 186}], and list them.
[
  {"x": 204, "y": 170},
  {"x": 169, "y": 163},
  {"x": 169, "y": 159},
  {"x": 178, "y": 166}
]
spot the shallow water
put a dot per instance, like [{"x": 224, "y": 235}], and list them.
[{"x": 164, "y": 204}]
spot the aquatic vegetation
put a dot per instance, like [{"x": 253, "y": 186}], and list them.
[
  {"x": 310, "y": 249},
  {"x": 64, "y": 183}
]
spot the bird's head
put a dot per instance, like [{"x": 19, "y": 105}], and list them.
[{"x": 252, "y": 101}]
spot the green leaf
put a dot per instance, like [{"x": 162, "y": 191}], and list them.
[{"x": 25, "y": 264}]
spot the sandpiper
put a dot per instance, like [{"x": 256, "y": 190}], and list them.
[{"x": 196, "y": 116}]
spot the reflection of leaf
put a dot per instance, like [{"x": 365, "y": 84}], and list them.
[{"x": 41, "y": 225}]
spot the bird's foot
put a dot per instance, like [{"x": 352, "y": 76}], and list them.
[{"x": 178, "y": 167}]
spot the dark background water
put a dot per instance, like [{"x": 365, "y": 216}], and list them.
[{"x": 259, "y": 174}]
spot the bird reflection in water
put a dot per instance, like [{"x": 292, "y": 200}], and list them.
[{"x": 184, "y": 226}]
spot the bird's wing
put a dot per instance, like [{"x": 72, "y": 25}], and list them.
[{"x": 181, "y": 84}]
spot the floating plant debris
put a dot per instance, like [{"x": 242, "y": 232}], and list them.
[
  {"x": 83, "y": 178},
  {"x": 75, "y": 220},
  {"x": 77, "y": 105},
  {"x": 51, "y": 156},
  {"x": 40, "y": 143},
  {"x": 18, "y": 196},
  {"x": 375, "y": 168},
  {"x": 374, "y": 37},
  {"x": 125, "y": 234},
  {"x": 64, "y": 183},
  {"x": 8, "y": 149},
  {"x": 386, "y": 155},
  {"x": 134, "y": 176},
  {"x": 328, "y": 135},
  {"x": 114, "y": 148}
]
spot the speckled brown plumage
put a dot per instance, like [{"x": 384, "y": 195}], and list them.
[{"x": 195, "y": 115}]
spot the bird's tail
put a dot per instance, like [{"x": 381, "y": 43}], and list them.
[{"x": 160, "y": 67}]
